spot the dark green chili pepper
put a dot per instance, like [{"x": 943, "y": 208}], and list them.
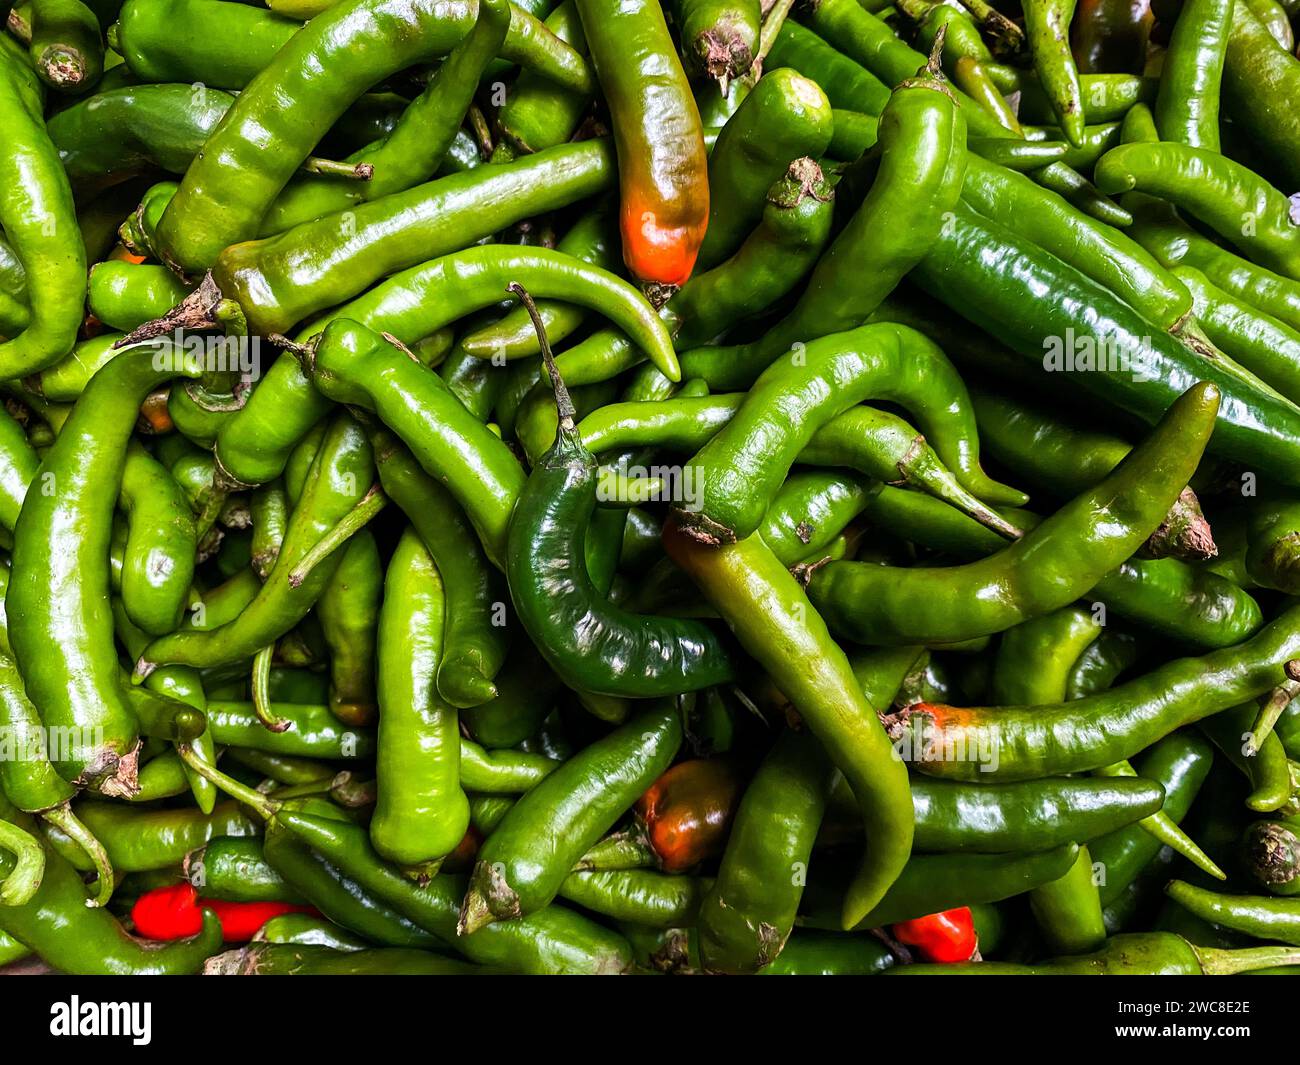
[
  {"x": 526, "y": 691},
  {"x": 340, "y": 477},
  {"x": 120, "y": 133},
  {"x": 1272, "y": 539},
  {"x": 523, "y": 863},
  {"x": 1259, "y": 80},
  {"x": 422, "y": 812},
  {"x": 283, "y": 959},
  {"x": 746, "y": 916},
  {"x": 473, "y": 641},
  {"x": 314, "y": 733},
  {"x": 811, "y": 509},
  {"x": 58, "y": 594},
  {"x": 809, "y": 953},
  {"x": 590, "y": 643},
  {"x": 772, "y": 618},
  {"x": 1137, "y": 954},
  {"x": 40, "y": 224},
  {"x": 785, "y": 117},
  {"x": 1093, "y": 533},
  {"x": 989, "y": 275}
]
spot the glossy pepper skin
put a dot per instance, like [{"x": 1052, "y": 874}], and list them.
[
  {"x": 747, "y": 915},
  {"x": 590, "y": 643},
  {"x": 226, "y": 191},
  {"x": 40, "y": 224},
  {"x": 522, "y": 864},
  {"x": 422, "y": 812},
  {"x": 1187, "y": 107},
  {"x": 663, "y": 168},
  {"x": 341, "y": 474},
  {"x": 1259, "y": 80},
  {"x": 84, "y": 941},
  {"x": 58, "y": 597},
  {"x": 1088, "y": 536},
  {"x": 769, "y": 614},
  {"x": 687, "y": 812},
  {"x": 1105, "y": 728},
  {"x": 286, "y": 959}
]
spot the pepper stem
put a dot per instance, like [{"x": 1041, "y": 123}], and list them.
[
  {"x": 563, "y": 402},
  {"x": 259, "y": 803},
  {"x": 1278, "y": 700},
  {"x": 62, "y": 818},
  {"x": 261, "y": 684},
  {"x": 201, "y": 309},
  {"x": 314, "y": 164},
  {"x": 348, "y": 526},
  {"x": 25, "y": 877},
  {"x": 1229, "y": 962}
]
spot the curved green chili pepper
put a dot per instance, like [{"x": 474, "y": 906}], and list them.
[
  {"x": 643, "y": 896},
  {"x": 422, "y": 812},
  {"x": 40, "y": 224},
  {"x": 1254, "y": 915},
  {"x": 158, "y": 558},
  {"x": 1187, "y": 107},
  {"x": 523, "y": 863},
  {"x": 538, "y": 113},
  {"x": 126, "y": 295}
]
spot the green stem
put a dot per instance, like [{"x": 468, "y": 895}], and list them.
[
  {"x": 255, "y": 800},
  {"x": 314, "y": 164},
  {"x": 29, "y": 866},
  {"x": 1229, "y": 962},
  {"x": 1278, "y": 700},
  {"x": 261, "y": 683},
  {"x": 348, "y": 526},
  {"x": 62, "y": 818}
]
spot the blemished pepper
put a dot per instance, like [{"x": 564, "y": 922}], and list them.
[
  {"x": 1270, "y": 853},
  {"x": 522, "y": 864},
  {"x": 538, "y": 113},
  {"x": 1258, "y": 81},
  {"x": 1091, "y": 535},
  {"x": 719, "y": 37},
  {"x": 422, "y": 811},
  {"x": 1136, "y": 954},
  {"x": 284, "y": 959},
  {"x": 773, "y": 620},
  {"x": 663, "y": 168},
  {"x": 687, "y": 812},
  {"x": 348, "y": 612},
  {"x": 227, "y": 190}
]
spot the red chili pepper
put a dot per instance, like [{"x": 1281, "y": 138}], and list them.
[
  {"x": 175, "y": 911},
  {"x": 940, "y": 937},
  {"x": 688, "y": 811}
]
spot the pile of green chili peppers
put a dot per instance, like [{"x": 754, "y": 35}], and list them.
[{"x": 611, "y": 487}]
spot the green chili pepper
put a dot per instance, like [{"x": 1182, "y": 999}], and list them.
[
  {"x": 1187, "y": 107},
  {"x": 1254, "y": 915},
  {"x": 39, "y": 221},
  {"x": 746, "y": 917},
  {"x": 341, "y": 474},
  {"x": 785, "y": 117},
  {"x": 67, "y": 49},
  {"x": 773, "y": 620},
  {"x": 1093, "y": 533},
  {"x": 58, "y": 594},
  {"x": 234, "y": 868},
  {"x": 126, "y": 295},
  {"x": 1258, "y": 80},
  {"x": 120, "y": 133},
  {"x": 305, "y": 930},
  {"x": 539, "y": 113},
  {"x": 523, "y": 863},
  {"x": 922, "y": 163},
  {"x": 643, "y": 896},
  {"x": 1265, "y": 766},
  {"x": 990, "y": 276},
  {"x": 1067, "y": 910},
  {"x": 422, "y": 812}
]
